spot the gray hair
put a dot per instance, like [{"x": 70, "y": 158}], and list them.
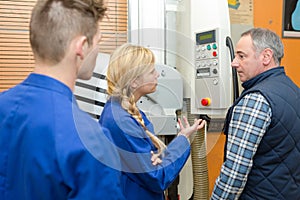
[{"x": 263, "y": 38}]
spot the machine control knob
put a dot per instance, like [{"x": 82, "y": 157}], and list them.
[
  {"x": 205, "y": 101},
  {"x": 215, "y": 82},
  {"x": 215, "y": 63}
]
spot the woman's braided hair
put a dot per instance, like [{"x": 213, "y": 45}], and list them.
[{"x": 127, "y": 63}]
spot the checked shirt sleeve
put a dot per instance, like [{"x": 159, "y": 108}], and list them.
[{"x": 250, "y": 119}]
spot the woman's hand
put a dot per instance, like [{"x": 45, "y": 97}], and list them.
[
  {"x": 155, "y": 158},
  {"x": 188, "y": 130}
]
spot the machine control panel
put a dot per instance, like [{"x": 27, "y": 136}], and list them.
[
  {"x": 206, "y": 54},
  {"x": 212, "y": 72}
]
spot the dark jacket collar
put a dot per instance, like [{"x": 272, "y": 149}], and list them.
[{"x": 272, "y": 72}]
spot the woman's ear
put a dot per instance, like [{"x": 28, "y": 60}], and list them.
[{"x": 134, "y": 84}]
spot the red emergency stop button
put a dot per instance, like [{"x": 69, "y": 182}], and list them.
[
  {"x": 205, "y": 101},
  {"x": 214, "y": 54}
]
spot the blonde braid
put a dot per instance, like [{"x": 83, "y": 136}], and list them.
[{"x": 130, "y": 105}]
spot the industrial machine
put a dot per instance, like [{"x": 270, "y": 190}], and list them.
[
  {"x": 190, "y": 41},
  {"x": 189, "y": 35}
]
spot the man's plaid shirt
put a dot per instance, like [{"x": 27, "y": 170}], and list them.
[{"x": 250, "y": 120}]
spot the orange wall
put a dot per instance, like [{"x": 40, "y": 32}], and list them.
[
  {"x": 215, "y": 153},
  {"x": 268, "y": 14}
]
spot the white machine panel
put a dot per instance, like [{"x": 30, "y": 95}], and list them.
[{"x": 212, "y": 86}]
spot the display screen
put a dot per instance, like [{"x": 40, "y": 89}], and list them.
[{"x": 206, "y": 37}]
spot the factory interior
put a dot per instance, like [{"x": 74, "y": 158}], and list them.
[{"x": 170, "y": 28}]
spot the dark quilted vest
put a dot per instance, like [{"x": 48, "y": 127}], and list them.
[{"x": 275, "y": 174}]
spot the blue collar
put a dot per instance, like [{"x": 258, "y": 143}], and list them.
[{"x": 46, "y": 82}]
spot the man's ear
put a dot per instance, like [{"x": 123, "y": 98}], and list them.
[
  {"x": 80, "y": 46},
  {"x": 267, "y": 56}
]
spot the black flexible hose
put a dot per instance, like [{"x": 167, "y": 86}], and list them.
[{"x": 234, "y": 73}]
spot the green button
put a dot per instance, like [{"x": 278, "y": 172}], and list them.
[
  {"x": 214, "y": 46},
  {"x": 208, "y": 47}
]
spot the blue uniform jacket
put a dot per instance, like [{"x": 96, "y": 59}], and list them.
[
  {"x": 140, "y": 179},
  {"x": 50, "y": 149}
]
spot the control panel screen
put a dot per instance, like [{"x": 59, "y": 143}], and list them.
[{"x": 206, "y": 37}]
